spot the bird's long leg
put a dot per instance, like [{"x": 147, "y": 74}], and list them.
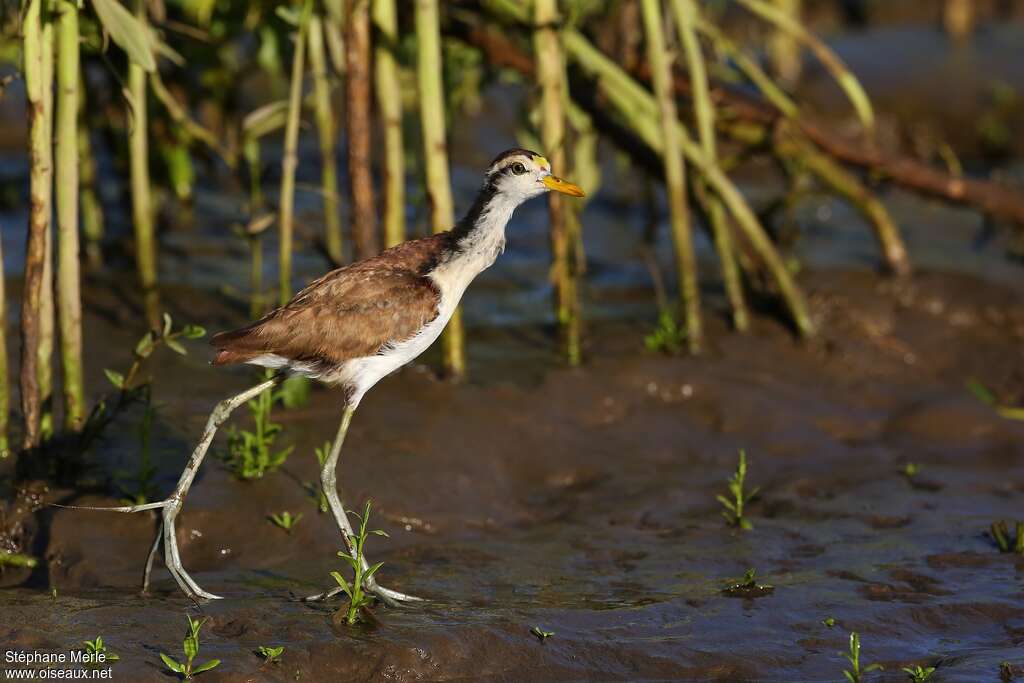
[
  {"x": 329, "y": 483},
  {"x": 171, "y": 506}
]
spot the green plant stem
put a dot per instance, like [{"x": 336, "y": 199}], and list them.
[
  {"x": 685, "y": 12},
  {"x": 435, "y": 157},
  {"x": 675, "y": 174},
  {"x": 142, "y": 201},
  {"x": 68, "y": 287},
  {"x": 40, "y": 171},
  {"x": 47, "y": 318},
  {"x": 290, "y": 159},
  {"x": 92, "y": 210},
  {"x": 638, "y": 108},
  {"x": 328, "y": 139},
  {"x": 389, "y": 103},
  {"x": 552, "y": 81}
]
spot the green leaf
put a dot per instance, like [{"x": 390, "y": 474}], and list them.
[
  {"x": 341, "y": 581},
  {"x": 191, "y": 647},
  {"x": 372, "y": 570},
  {"x": 193, "y": 332},
  {"x": 174, "y": 345},
  {"x": 288, "y": 15},
  {"x": 126, "y": 31},
  {"x": 850, "y": 677},
  {"x": 380, "y": 532},
  {"x": 212, "y": 664},
  {"x": 115, "y": 377},
  {"x": 171, "y": 664},
  {"x": 265, "y": 120}
]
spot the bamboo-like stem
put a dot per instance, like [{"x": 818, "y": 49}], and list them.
[
  {"x": 44, "y": 369},
  {"x": 142, "y": 200},
  {"x": 359, "y": 129},
  {"x": 290, "y": 159},
  {"x": 66, "y": 165},
  {"x": 832, "y": 62},
  {"x": 5, "y": 380},
  {"x": 551, "y": 78},
  {"x": 958, "y": 18},
  {"x": 783, "y": 49},
  {"x": 685, "y": 12},
  {"x": 327, "y": 138},
  {"x": 40, "y": 171},
  {"x": 675, "y": 174},
  {"x": 389, "y": 103},
  {"x": 92, "y": 210},
  {"x": 435, "y": 156},
  {"x": 638, "y": 108}
]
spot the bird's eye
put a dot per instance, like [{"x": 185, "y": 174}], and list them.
[{"x": 518, "y": 168}]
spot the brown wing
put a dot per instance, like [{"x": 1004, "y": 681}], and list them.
[{"x": 351, "y": 312}]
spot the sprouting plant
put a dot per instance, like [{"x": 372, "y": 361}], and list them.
[
  {"x": 96, "y": 652},
  {"x": 829, "y": 621},
  {"x": 910, "y": 470},
  {"x": 734, "y": 512},
  {"x": 250, "y": 455},
  {"x": 541, "y": 633},
  {"x": 853, "y": 656},
  {"x": 1007, "y": 672},
  {"x": 667, "y": 336},
  {"x": 317, "y": 491},
  {"x": 919, "y": 674},
  {"x": 16, "y": 560},
  {"x": 285, "y": 520},
  {"x": 270, "y": 654},
  {"x": 1001, "y": 535},
  {"x": 357, "y": 596},
  {"x": 747, "y": 586},
  {"x": 191, "y": 648},
  {"x": 985, "y": 395}
]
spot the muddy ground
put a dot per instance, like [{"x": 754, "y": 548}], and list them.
[{"x": 583, "y": 502}]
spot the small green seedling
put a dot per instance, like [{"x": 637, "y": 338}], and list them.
[
  {"x": 250, "y": 455},
  {"x": 734, "y": 512},
  {"x": 983, "y": 394},
  {"x": 191, "y": 648},
  {"x": 321, "y": 457},
  {"x": 747, "y": 587},
  {"x": 16, "y": 560},
  {"x": 853, "y": 656},
  {"x": 911, "y": 470},
  {"x": 96, "y": 652},
  {"x": 285, "y": 520},
  {"x": 270, "y": 654},
  {"x": 919, "y": 674},
  {"x": 1007, "y": 672},
  {"x": 829, "y": 621},
  {"x": 358, "y": 598},
  {"x": 1001, "y": 535},
  {"x": 541, "y": 633},
  {"x": 667, "y": 336}
]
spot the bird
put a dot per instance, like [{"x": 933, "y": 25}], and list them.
[{"x": 357, "y": 324}]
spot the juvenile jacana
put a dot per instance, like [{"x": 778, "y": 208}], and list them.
[{"x": 357, "y": 324}]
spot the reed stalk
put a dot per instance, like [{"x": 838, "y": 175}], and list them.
[
  {"x": 92, "y": 210},
  {"x": 290, "y": 159},
  {"x": 685, "y": 12},
  {"x": 435, "y": 157},
  {"x": 389, "y": 103},
  {"x": 142, "y": 200},
  {"x": 783, "y": 48},
  {"x": 44, "y": 368},
  {"x": 69, "y": 304},
  {"x": 40, "y": 177},
  {"x": 832, "y": 62},
  {"x": 675, "y": 173},
  {"x": 638, "y": 108},
  {"x": 359, "y": 129},
  {"x": 327, "y": 138},
  {"x": 551, "y": 79},
  {"x": 5, "y": 380}
]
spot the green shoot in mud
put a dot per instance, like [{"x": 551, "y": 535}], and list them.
[
  {"x": 285, "y": 520},
  {"x": 191, "y": 648},
  {"x": 667, "y": 337},
  {"x": 271, "y": 655},
  {"x": 985, "y": 395},
  {"x": 1001, "y": 535},
  {"x": 853, "y": 656},
  {"x": 829, "y": 621},
  {"x": 250, "y": 455},
  {"x": 316, "y": 490},
  {"x": 735, "y": 509},
  {"x": 96, "y": 652},
  {"x": 919, "y": 674},
  {"x": 541, "y": 633},
  {"x": 1008, "y": 672},
  {"x": 139, "y": 487},
  {"x": 747, "y": 587},
  {"x": 910, "y": 470},
  {"x": 358, "y": 598}
]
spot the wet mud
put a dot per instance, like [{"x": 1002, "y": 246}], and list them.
[{"x": 583, "y": 502}]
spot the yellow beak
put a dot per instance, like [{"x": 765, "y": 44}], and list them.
[{"x": 558, "y": 185}]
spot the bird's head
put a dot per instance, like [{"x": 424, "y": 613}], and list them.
[{"x": 522, "y": 174}]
